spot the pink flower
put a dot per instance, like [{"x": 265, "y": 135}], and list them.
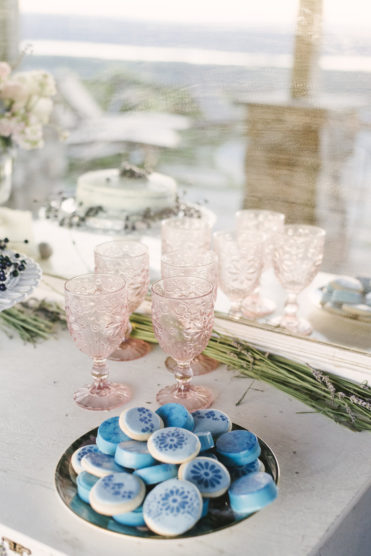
[
  {"x": 14, "y": 91},
  {"x": 7, "y": 127},
  {"x": 5, "y": 70}
]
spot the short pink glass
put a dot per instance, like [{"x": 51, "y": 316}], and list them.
[
  {"x": 183, "y": 318},
  {"x": 97, "y": 316},
  {"x": 240, "y": 266},
  {"x": 297, "y": 257},
  {"x": 130, "y": 260},
  {"x": 267, "y": 223},
  {"x": 203, "y": 264},
  {"x": 185, "y": 233}
]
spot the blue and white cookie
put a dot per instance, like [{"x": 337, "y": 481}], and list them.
[
  {"x": 157, "y": 473},
  {"x": 210, "y": 476},
  {"x": 85, "y": 482},
  {"x": 172, "y": 507},
  {"x": 99, "y": 464},
  {"x": 252, "y": 492},
  {"x": 140, "y": 422},
  {"x": 176, "y": 415},
  {"x": 212, "y": 420},
  {"x": 346, "y": 283},
  {"x": 366, "y": 283},
  {"x": 346, "y": 296},
  {"x": 134, "y": 518},
  {"x": 368, "y": 299},
  {"x": 206, "y": 440},
  {"x": 110, "y": 435},
  {"x": 117, "y": 493},
  {"x": 79, "y": 454},
  {"x": 237, "y": 471},
  {"x": 173, "y": 445},
  {"x": 133, "y": 454},
  {"x": 237, "y": 447}
]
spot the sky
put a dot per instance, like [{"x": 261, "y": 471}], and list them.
[{"x": 263, "y": 13}]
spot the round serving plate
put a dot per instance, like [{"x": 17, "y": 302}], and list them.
[
  {"x": 20, "y": 287},
  {"x": 337, "y": 312},
  {"x": 219, "y": 516}
]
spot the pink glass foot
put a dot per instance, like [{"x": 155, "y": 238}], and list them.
[
  {"x": 130, "y": 349},
  {"x": 193, "y": 397},
  {"x": 201, "y": 364},
  {"x": 102, "y": 395},
  {"x": 255, "y": 307},
  {"x": 298, "y": 326}
]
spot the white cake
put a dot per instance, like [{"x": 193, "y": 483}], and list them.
[{"x": 128, "y": 190}]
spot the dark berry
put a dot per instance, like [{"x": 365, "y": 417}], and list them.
[
  {"x": 21, "y": 267},
  {"x": 14, "y": 273},
  {"x": 17, "y": 255},
  {"x": 6, "y": 240},
  {"x": 2, "y": 287},
  {"x": 26, "y": 240}
]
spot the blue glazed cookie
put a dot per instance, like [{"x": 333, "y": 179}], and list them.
[
  {"x": 173, "y": 445},
  {"x": 252, "y": 492},
  {"x": 346, "y": 283},
  {"x": 133, "y": 454},
  {"x": 176, "y": 415},
  {"x": 134, "y": 518},
  {"x": 210, "y": 476},
  {"x": 157, "y": 473},
  {"x": 117, "y": 493},
  {"x": 85, "y": 482},
  {"x": 110, "y": 435},
  {"x": 79, "y": 454},
  {"x": 172, "y": 507},
  {"x": 346, "y": 296},
  {"x": 212, "y": 420},
  {"x": 206, "y": 440},
  {"x": 237, "y": 447},
  {"x": 237, "y": 471},
  {"x": 99, "y": 464},
  {"x": 140, "y": 422}
]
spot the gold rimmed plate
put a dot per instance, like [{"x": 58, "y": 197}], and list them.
[{"x": 219, "y": 515}]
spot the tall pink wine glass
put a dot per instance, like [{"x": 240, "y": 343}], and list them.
[
  {"x": 185, "y": 233},
  {"x": 297, "y": 257},
  {"x": 183, "y": 318},
  {"x": 267, "y": 223},
  {"x": 203, "y": 264},
  {"x": 97, "y": 316},
  {"x": 130, "y": 260}
]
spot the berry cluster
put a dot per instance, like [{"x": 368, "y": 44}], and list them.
[{"x": 11, "y": 263}]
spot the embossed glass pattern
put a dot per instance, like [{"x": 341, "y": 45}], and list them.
[
  {"x": 183, "y": 317},
  {"x": 130, "y": 260},
  {"x": 97, "y": 316},
  {"x": 297, "y": 257},
  {"x": 240, "y": 265},
  {"x": 268, "y": 224},
  {"x": 185, "y": 233}
]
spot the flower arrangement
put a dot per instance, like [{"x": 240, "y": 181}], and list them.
[{"x": 25, "y": 106}]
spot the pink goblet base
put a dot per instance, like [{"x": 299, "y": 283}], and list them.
[
  {"x": 190, "y": 396},
  {"x": 130, "y": 349},
  {"x": 255, "y": 307},
  {"x": 102, "y": 395},
  {"x": 295, "y": 325},
  {"x": 201, "y": 365}
]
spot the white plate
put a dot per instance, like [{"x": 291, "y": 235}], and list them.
[
  {"x": 19, "y": 288},
  {"x": 338, "y": 312}
]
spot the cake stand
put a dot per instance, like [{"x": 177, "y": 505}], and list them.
[{"x": 20, "y": 287}]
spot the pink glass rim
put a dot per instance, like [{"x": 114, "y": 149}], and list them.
[
  {"x": 202, "y": 281},
  {"x": 165, "y": 258},
  {"x": 137, "y": 243},
  {"x": 176, "y": 223},
  {"x": 121, "y": 284},
  {"x": 313, "y": 230}
]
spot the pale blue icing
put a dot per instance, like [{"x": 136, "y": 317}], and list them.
[
  {"x": 85, "y": 482},
  {"x": 345, "y": 296},
  {"x": 110, "y": 435},
  {"x": 210, "y": 476},
  {"x": 133, "y": 454},
  {"x": 173, "y": 445},
  {"x": 176, "y": 415},
  {"x": 237, "y": 471},
  {"x": 157, "y": 473},
  {"x": 346, "y": 283},
  {"x": 100, "y": 464},
  {"x": 252, "y": 492},
  {"x": 140, "y": 422},
  {"x": 237, "y": 447},
  {"x": 206, "y": 440},
  {"x": 134, "y": 518},
  {"x": 212, "y": 420},
  {"x": 172, "y": 507},
  {"x": 366, "y": 283},
  {"x": 205, "y": 506},
  {"x": 79, "y": 454},
  {"x": 117, "y": 493}
]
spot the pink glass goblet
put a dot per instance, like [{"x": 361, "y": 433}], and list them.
[
  {"x": 297, "y": 256},
  {"x": 240, "y": 266},
  {"x": 183, "y": 317},
  {"x": 203, "y": 264},
  {"x": 185, "y": 233},
  {"x": 267, "y": 223},
  {"x": 97, "y": 316},
  {"x": 130, "y": 260}
]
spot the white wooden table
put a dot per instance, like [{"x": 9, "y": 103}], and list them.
[{"x": 324, "y": 496}]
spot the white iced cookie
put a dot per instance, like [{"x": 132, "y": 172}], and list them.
[
  {"x": 99, "y": 464},
  {"x": 173, "y": 445},
  {"x": 140, "y": 422},
  {"x": 117, "y": 493},
  {"x": 79, "y": 454}
]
